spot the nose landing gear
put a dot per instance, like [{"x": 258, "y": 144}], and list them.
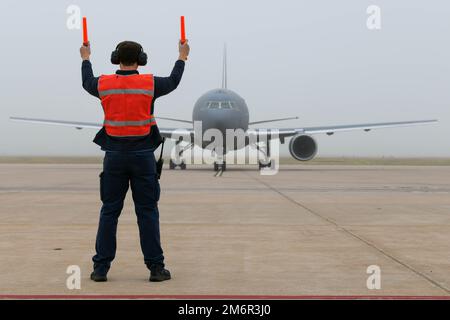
[{"x": 220, "y": 166}]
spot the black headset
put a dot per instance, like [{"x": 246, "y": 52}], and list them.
[{"x": 142, "y": 57}]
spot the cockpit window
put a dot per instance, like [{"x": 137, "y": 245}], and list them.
[
  {"x": 220, "y": 105},
  {"x": 214, "y": 105},
  {"x": 226, "y": 105}
]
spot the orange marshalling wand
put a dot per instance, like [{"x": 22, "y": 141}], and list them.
[
  {"x": 183, "y": 30},
  {"x": 85, "y": 33}
]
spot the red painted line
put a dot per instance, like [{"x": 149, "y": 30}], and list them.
[{"x": 215, "y": 297}]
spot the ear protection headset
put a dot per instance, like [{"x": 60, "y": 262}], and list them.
[{"x": 142, "y": 57}]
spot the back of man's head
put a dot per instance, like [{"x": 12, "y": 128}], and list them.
[{"x": 129, "y": 52}]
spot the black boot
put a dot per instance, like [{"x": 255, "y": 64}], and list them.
[
  {"x": 98, "y": 277},
  {"x": 159, "y": 274}
]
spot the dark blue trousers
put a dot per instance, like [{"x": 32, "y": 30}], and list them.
[{"x": 121, "y": 170}]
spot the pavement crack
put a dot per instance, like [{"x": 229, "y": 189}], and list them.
[{"x": 354, "y": 235}]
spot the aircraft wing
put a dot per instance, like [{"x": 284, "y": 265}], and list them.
[
  {"x": 165, "y": 132},
  {"x": 77, "y": 125},
  {"x": 175, "y": 133},
  {"x": 172, "y": 133},
  {"x": 330, "y": 130}
]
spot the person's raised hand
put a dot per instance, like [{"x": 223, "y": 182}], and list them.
[
  {"x": 85, "y": 51},
  {"x": 184, "y": 50}
]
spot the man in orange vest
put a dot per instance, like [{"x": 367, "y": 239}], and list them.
[{"x": 129, "y": 136}]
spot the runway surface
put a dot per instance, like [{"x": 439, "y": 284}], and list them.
[{"x": 309, "y": 230}]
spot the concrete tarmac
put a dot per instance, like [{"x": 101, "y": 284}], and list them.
[{"x": 309, "y": 230}]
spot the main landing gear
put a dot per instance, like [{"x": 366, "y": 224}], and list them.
[
  {"x": 173, "y": 165},
  {"x": 180, "y": 163},
  {"x": 267, "y": 162},
  {"x": 264, "y": 164}
]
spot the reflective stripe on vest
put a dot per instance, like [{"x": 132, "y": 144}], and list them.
[
  {"x": 127, "y": 104},
  {"x": 129, "y": 123},
  {"x": 125, "y": 91}
]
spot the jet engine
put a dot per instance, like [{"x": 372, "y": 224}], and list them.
[{"x": 303, "y": 147}]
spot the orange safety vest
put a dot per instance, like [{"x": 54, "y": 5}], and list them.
[{"x": 126, "y": 102}]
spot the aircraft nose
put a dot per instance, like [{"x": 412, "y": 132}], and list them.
[{"x": 224, "y": 119}]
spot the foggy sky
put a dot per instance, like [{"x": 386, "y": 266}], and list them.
[{"x": 312, "y": 59}]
